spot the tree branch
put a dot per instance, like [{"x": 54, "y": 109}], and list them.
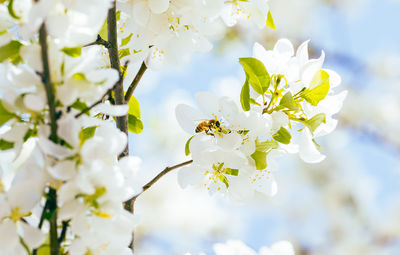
[
  {"x": 135, "y": 82},
  {"x": 122, "y": 121},
  {"x": 52, "y": 195}
]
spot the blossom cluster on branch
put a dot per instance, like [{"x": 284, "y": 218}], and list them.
[{"x": 287, "y": 101}]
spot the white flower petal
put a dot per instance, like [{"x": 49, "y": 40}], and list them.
[{"x": 113, "y": 110}]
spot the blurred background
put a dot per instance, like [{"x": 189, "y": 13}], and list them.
[{"x": 347, "y": 204}]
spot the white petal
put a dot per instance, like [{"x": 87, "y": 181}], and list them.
[
  {"x": 283, "y": 247},
  {"x": 113, "y": 110},
  {"x": 8, "y": 236},
  {"x": 141, "y": 13},
  {"x": 34, "y": 102},
  {"x": 188, "y": 117},
  {"x": 207, "y": 103},
  {"x": 158, "y": 6},
  {"x": 33, "y": 237},
  {"x": 302, "y": 53},
  {"x": 308, "y": 151},
  {"x": 190, "y": 175},
  {"x": 284, "y": 46},
  {"x": 63, "y": 170},
  {"x": 309, "y": 70},
  {"x": 229, "y": 141}
]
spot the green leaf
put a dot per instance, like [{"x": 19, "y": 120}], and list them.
[
  {"x": 134, "y": 107},
  {"x": 256, "y": 74},
  {"x": 187, "y": 149},
  {"x": 11, "y": 10},
  {"x": 103, "y": 31},
  {"x": 260, "y": 157},
  {"x": 72, "y": 51},
  {"x": 79, "y": 76},
  {"x": 86, "y": 134},
  {"x": 80, "y": 106},
  {"x": 262, "y": 150},
  {"x": 245, "y": 96},
  {"x": 270, "y": 21},
  {"x": 135, "y": 125},
  {"x": 10, "y": 51},
  {"x": 318, "y": 89},
  {"x": 282, "y": 136},
  {"x": 224, "y": 180},
  {"x": 266, "y": 146},
  {"x": 44, "y": 250},
  {"x": 126, "y": 40},
  {"x": 6, "y": 145},
  {"x": 253, "y": 101},
  {"x": 5, "y": 115},
  {"x": 315, "y": 121},
  {"x": 123, "y": 53},
  {"x": 30, "y": 133},
  {"x": 287, "y": 101},
  {"x": 230, "y": 171}
]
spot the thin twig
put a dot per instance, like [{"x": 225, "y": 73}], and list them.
[
  {"x": 96, "y": 103},
  {"x": 65, "y": 225},
  {"x": 135, "y": 82},
  {"x": 161, "y": 174},
  {"x": 99, "y": 41}
]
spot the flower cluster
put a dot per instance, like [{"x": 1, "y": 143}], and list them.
[
  {"x": 287, "y": 101},
  {"x": 168, "y": 31},
  {"x": 72, "y": 173}
]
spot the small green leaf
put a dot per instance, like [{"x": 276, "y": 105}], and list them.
[
  {"x": 134, "y": 107},
  {"x": 282, "y": 136},
  {"x": 86, "y": 134},
  {"x": 72, "y": 51},
  {"x": 187, "y": 149},
  {"x": 266, "y": 146},
  {"x": 256, "y": 74},
  {"x": 260, "y": 157},
  {"x": 318, "y": 89},
  {"x": 10, "y": 51},
  {"x": 126, "y": 40},
  {"x": 79, "y": 76},
  {"x": 6, "y": 145},
  {"x": 123, "y": 53},
  {"x": 5, "y": 115},
  {"x": 103, "y": 31},
  {"x": 253, "y": 101},
  {"x": 315, "y": 121},
  {"x": 135, "y": 125},
  {"x": 224, "y": 180},
  {"x": 30, "y": 133},
  {"x": 44, "y": 250},
  {"x": 11, "y": 10},
  {"x": 262, "y": 150},
  {"x": 287, "y": 101},
  {"x": 230, "y": 171},
  {"x": 80, "y": 106},
  {"x": 245, "y": 96},
  {"x": 270, "y": 21}
]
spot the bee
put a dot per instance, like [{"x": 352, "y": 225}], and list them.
[{"x": 208, "y": 126}]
